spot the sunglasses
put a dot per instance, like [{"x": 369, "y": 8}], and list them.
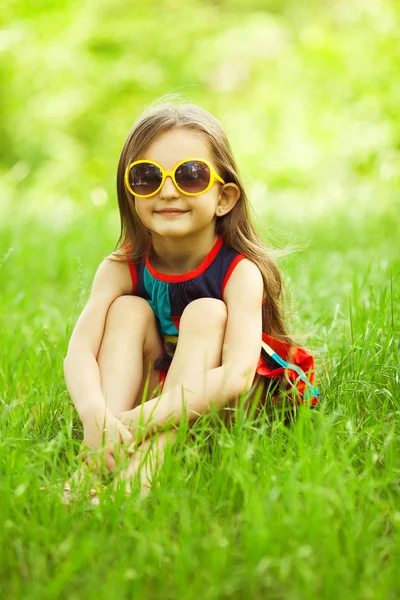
[{"x": 192, "y": 177}]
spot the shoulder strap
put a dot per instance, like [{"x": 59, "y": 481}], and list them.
[
  {"x": 132, "y": 269},
  {"x": 230, "y": 270}
]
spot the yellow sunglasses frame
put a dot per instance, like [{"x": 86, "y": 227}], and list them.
[{"x": 213, "y": 176}]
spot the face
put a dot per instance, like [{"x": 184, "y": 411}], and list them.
[{"x": 193, "y": 213}]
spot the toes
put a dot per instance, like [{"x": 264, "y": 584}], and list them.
[{"x": 66, "y": 494}]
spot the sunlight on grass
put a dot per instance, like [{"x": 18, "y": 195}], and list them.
[{"x": 265, "y": 507}]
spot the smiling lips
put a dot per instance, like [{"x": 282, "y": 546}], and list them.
[{"x": 171, "y": 212}]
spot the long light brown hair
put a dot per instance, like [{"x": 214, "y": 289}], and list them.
[{"x": 235, "y": 227}]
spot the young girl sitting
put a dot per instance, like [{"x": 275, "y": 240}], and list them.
[{"x": 188, "y": 304}]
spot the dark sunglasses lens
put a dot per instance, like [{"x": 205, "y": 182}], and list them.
[
  {"x": 193, "y": 176},
  {"x": 144, "y": 178}
]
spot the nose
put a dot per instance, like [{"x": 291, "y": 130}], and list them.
[{"x": 168, "y": 190}]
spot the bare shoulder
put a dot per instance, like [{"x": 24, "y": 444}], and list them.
[
  {"x": 246, "y": 268},
  {"x": 114, "y": 276},
  {"x": 246, "y": 279}
]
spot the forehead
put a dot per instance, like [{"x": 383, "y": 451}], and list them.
[{"x": 175, "y": 145}]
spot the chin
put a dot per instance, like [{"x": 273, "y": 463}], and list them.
[{"x": 174, "y": 233}]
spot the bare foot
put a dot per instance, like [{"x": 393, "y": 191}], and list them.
[
  {"x": 129, "y": 481},
  {"x": 72, "y": 491},
  {"x": 94, "y": 498}
]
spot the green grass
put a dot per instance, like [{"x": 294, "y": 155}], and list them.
[
  {"x": 308, "y": 94},
  {"x": 257, "y": 511}
]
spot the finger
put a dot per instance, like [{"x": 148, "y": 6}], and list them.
[
  {"x": 125, "y": 436},
  {"x": 124, "y": 417},
  {"x": 132, "y": 448},
  {"x": 94, "y": 463},
  {"x": 124, "y": 457},
  {"x": 110, "y": 461},
  {"x": 112, "y": 435},
  {"x": 127, "y": 421}
]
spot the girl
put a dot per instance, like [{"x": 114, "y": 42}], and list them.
[{"x": 189, "y": 302}]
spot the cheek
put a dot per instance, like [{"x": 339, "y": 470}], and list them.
[
  {"x": 142, "y": 210},
  {"x": 206, "y": 203}
]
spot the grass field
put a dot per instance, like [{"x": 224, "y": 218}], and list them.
[
  {"x": 257, "y": 511},
  {"x": 308, "y": 93}
]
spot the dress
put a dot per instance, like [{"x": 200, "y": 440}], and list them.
[{"x": 168, "y": 296}]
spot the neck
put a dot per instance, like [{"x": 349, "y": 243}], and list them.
[{"x": 174, "y": 256}]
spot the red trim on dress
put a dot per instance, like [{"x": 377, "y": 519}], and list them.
[
  {"x": 132, "y": 269},
  {"x": 229, "y": 272},
  {"x": 191, "y": 274},
  {"x": 176, "y": 321},
  {"x": 163, "y": 373}
]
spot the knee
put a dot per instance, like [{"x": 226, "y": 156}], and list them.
[
  {"x": 128, "y": 309},
  {"x": 205, "y": 315}
]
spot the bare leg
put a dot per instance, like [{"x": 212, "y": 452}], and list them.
[
  {"x": 130, "y": 345},
  {"x": 145, "y": 463},
  {"x": 199, "y": 348}
]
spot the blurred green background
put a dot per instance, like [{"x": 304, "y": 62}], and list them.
[{"x": 307, "y": 91}]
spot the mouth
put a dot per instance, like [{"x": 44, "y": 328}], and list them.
[{"x": 171, "y": 212}]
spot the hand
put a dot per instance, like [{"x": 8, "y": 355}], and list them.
[
  {"x": 146, "y": 419},
  {"x": 132, "y": 420},
  {"x": 115, "y": 434},
  {"x": 129, "y": 420}
]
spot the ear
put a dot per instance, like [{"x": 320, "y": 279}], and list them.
[{"x": 228, "y": 196}]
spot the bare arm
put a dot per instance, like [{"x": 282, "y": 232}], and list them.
[
  {"x": 81, "y": 369},
  {"x": 242, "y": 344}
]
